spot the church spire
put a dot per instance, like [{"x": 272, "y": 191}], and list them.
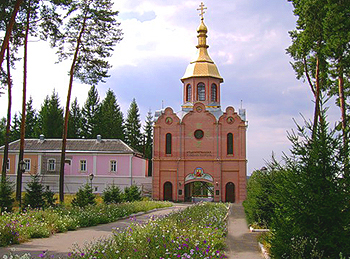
[{"x": 204, "y": 66}]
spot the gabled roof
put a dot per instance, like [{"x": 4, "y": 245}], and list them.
[{"x": 74, "y": 145}]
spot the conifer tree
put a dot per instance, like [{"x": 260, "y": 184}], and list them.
[
  {"x": 75, "y": 121},
  {"x": 133, "y": 134},
  {"x": 51, "y": 117},
  {"x": 31, "y": 119},
  {"x": 90, "y": 113},
  {"x": 2, "y": 131},
  {"x": 15, "y": 128},
  {"x": 111, "y": 122},
  {"x": 89, "y": 38},
  {"x": 34, "y": 196},
  {"x": 148, "y": 140}
]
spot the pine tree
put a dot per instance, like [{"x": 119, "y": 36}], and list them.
[
  {"x": 6, "y": 191},
  {"x": 75, "y": 121},
  {"x": 2, "y": 131},
  {"x": 90, "y": 113},
  {"x": 34, "y": 196},
  {"x": 111, "y": 122},
  {"x": 133, "y": 134},
  {"x": 15, "y": 128},
  {"x": 51, "y": 117},
  {"x": 148, "y": 140},
  {"x": 31, "y": 120}
]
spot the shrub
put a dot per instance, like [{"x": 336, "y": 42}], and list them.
[
  {"x": 6, "y": 200},
  {"x": 84, "y": 197},
  {"x": 112, "y": 194},
  {"x": 34, "y": 196},
  {"x": 132, "y": 193},
  {"x": 49, "y": 198}
]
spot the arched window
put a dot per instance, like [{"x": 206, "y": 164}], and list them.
[
  {"x": 201, "y": 92},
  {"x": 214, "y": 93},
  {"x": 168, "y": 144},
  {"x": 230, "y": 144},
  {"x": 188, "y": 93}
]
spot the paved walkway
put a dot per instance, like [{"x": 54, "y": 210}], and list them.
[
  {"x": 60, "y": 244},
  {"x": 241, "y": 244}
]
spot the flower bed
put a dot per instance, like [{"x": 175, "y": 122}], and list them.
[
  {"x": 19, "y": 227},
  {"x": 197, "y": 232}
]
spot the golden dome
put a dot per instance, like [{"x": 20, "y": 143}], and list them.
[{"x": 204, "y": 66}]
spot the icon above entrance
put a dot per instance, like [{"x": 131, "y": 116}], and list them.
[{"x": 198, "y": 174}]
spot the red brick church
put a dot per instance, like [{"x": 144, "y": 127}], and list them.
[{"x": 200, "y": 151}]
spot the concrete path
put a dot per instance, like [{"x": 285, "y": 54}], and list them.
[
  {"x": 241, "y": 244},
  {"x": 60, "y": 244}
]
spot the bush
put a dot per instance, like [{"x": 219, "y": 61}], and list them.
[
  {"x": 49, "y": 198},
  {"x": 6, "y": 200},
  {"x": 132, "y": 193},
  {"x": 34, "y": 196},
  {"x": 84, "y": 197},
  {"x": 112, "y": 194}
]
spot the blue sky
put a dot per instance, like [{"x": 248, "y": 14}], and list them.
[{"x": 247, "y": 39}]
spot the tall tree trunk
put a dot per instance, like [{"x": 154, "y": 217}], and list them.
[
  {"x": 9, "y": 30},
  {"x": 23, "y": 122},
  {"x": 8, "y": 122},
  {"x": 66, "y": 116},
  {"x": 317, "y": 98}
]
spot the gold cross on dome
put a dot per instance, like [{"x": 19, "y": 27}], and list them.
[{"x": 202, "y": 8}]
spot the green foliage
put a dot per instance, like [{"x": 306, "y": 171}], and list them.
[
  {"x": 6, "y": 199},
  {"x": 111, "y": 122},
  {"x": 258, "y": 207},
  {"x": 90, "y": 113},
  {"x": 50, "y": 119},
  {"x": 75, "y": 121},
  {"x": 132, "y": 193},
  {"x": 15, "y": 128},
  {"x": 133, "y": 134},
  {"x": 312, "y": 198},
  {"x": 112, "y": 194},
  {"x": 34, "y": 196},
  {"x": 2, "y": 131},
  {"x": 196, "y": 232},
  {"x": 148, "y": 140},
  {"x": 84, "y": 197},
  {"x": 50, "y": 199},
  {"x": 21, "y": 226},
  {"x": 31, "y": 120}
]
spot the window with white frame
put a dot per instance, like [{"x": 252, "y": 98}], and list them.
[
  {"x": 27, "y": 165},
  {"x": 113, "y": 166},
  {"x": 83, "y": 165},
  {"x": 51, "y": 164}
]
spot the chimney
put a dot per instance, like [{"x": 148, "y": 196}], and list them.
[
  {"x": 99, "y": 138},
  {"x": 42, "y": 137}
]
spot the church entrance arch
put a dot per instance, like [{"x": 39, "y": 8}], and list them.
[
  {"x": 230, "y": 192},
  {"x": 199, "y": 191},
  {"x": 168, "y": 191}
]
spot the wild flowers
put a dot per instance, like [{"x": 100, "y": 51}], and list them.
[
  {"x": 21, "y": 226},
  {"x": 196, "y": 232}
]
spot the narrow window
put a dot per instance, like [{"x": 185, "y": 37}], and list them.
[
  {"x": 188, "y": 93},
  {"x": 230, "y": 144},
  {"x": 168, "y": 144},
  {"x": 201, "y": 92},
  {"x": 51, "y": 165},
  {"x": 27, "y": 165},
  {"x": 83, "y": 165},
  {"x": 214, "y": 93},
  {"x": 113, "y": 166}
]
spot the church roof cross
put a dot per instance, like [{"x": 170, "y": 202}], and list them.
[{"x": 202, "y": 8}]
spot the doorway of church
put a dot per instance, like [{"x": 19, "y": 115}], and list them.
[
  {"x": 230, "y": 192},
  {"x": 199, "y": 191}
]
